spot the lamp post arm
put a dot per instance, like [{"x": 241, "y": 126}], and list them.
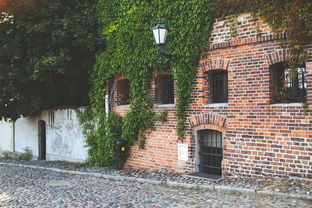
[{"x": 167, "y": 55}]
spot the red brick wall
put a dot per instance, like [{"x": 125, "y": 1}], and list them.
[{"x": 260, "y": 139}]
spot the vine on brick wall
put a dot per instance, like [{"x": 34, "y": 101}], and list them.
[
  {"x": 292, "y": 16},
  {"x": 130, "y": 50}
]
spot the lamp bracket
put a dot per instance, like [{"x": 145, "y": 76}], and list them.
[{"x": 167, "y": 55}]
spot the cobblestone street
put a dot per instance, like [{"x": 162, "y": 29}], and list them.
[{"x": 21, "y": 187}]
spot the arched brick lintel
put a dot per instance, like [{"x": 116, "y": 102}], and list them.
[
  {"x": 212, "y": 121},
  {"x": 162, "y": 72},
  {"x": 278, "y": 56},
  {"x": 119, "y": 77},
  {"x": 207, "y": 126},
  {"x": 214, "y": 64}
]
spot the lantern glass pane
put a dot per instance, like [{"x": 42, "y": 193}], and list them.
[
  {"x": 163, "y": 35},
  {"x": 156, "y": 35},
  {"x": 160, "y": 35}
]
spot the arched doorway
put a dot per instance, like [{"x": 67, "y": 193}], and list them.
[
  {"x": 210, "y": 151},
  {"x": 42, "y": 140}
]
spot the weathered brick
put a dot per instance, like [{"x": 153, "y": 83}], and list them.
[{"x": 260, "y": 139}]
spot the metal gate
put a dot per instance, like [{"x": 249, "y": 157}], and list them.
[{"x": 210, "y": 152}]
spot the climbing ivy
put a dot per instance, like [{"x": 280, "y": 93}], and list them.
[
  {"x": 291, "y": 16},
  {"x": 44, "y": 45},
  {"x": 130, "y": 51},
  {"x": 101, "y": 136}
]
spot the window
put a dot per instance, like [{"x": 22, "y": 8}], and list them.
[
  {"x": 123, "y": 92},
  {"x": 218, "y": 86},
  {"x": 165, "y": 89},
  {"x": 288, "y": 85},
  {"x": 210, "y": 152}
]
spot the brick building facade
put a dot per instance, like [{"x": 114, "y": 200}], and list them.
[{"x": 242, "y": 120}]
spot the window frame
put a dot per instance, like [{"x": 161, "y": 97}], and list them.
[
  {"x": 210, "y": 151},
  {"x": 285, "y": 89},
  {"x": 123, "y": 92},
  {"x": 217, "y": 77},
  {"x": 165, "y": 93}
]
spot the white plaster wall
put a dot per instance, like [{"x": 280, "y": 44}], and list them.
[
  {"x": 6, "y": 136},
  {"x": 26, "y": 134},
  {"x": 64, "y": 138}
]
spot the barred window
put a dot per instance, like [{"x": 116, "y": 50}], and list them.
[
  {"x": 218, "y": 86},
  {"x": 210, "y": 152},
  {"x": 288, "y": 85},
  {"x": 164, "y": 89},
  {"x": 123, "y": 92}
]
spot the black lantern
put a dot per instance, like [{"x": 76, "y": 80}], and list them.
[{"x": 160, "y": 34}]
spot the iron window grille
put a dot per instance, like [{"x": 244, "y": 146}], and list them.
[
  {"x": 219, "y": 86},
  {"x": 288, "y": 85},
  {"x": 123, "y": 92},
  {"x": 210, "y": 152},
  {"x": 165, "y": 89}
]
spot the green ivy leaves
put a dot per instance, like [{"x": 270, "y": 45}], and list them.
[
  {"x": 50, "y": 44},
  {"x": 130, "y": 50}
]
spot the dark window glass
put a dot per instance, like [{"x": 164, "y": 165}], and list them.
[
  {"x": 219, "y": 87},
  {"x": 165, "y": 89},
  {"x": 168, "y": 90},
  {"x": 288, "y": 85},
  {"x": 123, "y": 91},
  {"x": 210, "y": 152}
]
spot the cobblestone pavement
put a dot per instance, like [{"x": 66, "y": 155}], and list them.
[
  {"x": 277, "y": 185},
  {"x": 22, "y": 187}
]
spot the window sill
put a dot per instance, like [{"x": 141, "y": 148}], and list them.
[
  {"x": 287, "y": 104},
  {"x": 123, "y": 106},
  {"x": 165, "y": 105},
  {"x": 216, "y": 105}
]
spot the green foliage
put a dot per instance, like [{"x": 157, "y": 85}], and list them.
[
  {"x": 101, "y": 136},
  {"x": 305, "y": 108},
  {"x": 44, "y": 46},
  {"x": 52, "y": 43},
  {"x": 233, "y": 27},
  {"x": 130, "y": 50},
  {"x": 292, "y": 16},
  {"x": 162, "y": 116},
  {"x": 7, "y": 155},
  {"x": 26, "y": 155}
]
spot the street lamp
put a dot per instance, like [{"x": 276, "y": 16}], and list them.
[{"x": 160, "y": 34}]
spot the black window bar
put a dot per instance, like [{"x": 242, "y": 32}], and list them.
[
  {"x": 124, "y": 91},
  {"x": 210, "y": 152},
  {"x": 289, "y": 85},
  {"x": 168, "y": 90},
  {"x": 220, "y": 87}
]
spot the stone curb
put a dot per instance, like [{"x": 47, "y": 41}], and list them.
[{"x": 219, "y": 188}]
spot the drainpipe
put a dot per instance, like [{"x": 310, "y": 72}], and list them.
[
  {"x": 13, "y": 136},
  {"x": 107, "y": 100}
]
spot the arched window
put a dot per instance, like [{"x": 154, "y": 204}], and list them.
[{"x": 288, "y": 85}]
